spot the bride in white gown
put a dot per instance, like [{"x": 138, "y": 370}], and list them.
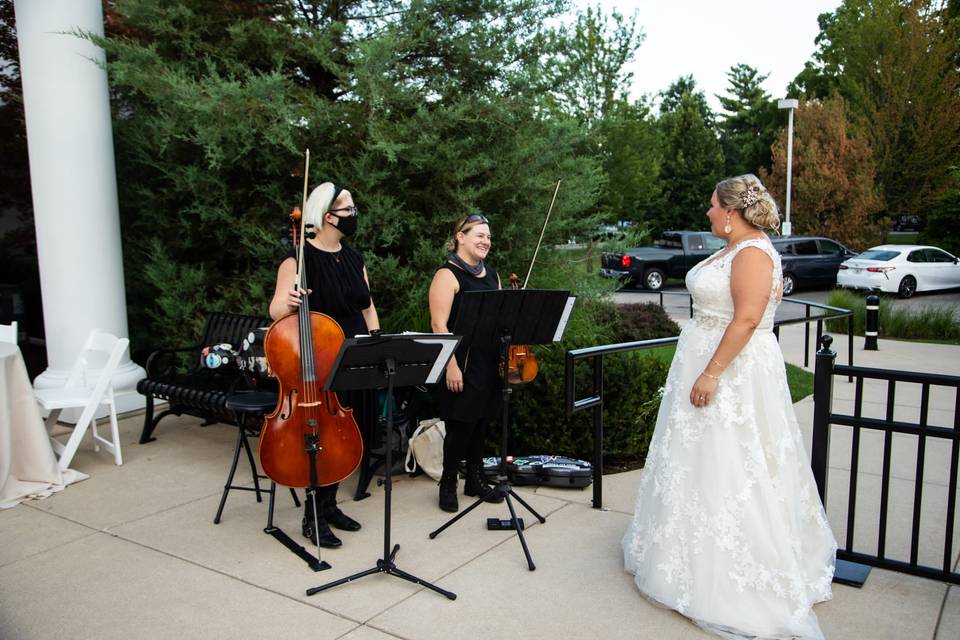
[{"x": 728, "y": 528}]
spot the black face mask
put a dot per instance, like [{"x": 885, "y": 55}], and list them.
[{"x": 347, "y": 225}]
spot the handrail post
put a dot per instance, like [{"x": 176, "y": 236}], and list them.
[
  {"x": 822, "y": 407},
  {"x": 598, "y": 433},
  {"x": 871, "y": 323},
  {"x": 806, "y": 337},
  {"x": 850, "y": 344}
]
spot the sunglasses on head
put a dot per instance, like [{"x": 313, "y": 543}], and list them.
[{"x": 473, "y": 217}]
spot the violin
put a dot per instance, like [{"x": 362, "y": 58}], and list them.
[
  {"x": 522, "y": 364},
  {"x": 310, "y": 439}
]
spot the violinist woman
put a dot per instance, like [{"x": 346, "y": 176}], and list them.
[
  {"x": 338, "y": 286},
  {"x": 470, "y": 392}
]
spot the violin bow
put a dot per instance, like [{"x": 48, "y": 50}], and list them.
[
  {"x": 303, "y": 218},
  {"x": 542, "y": 231}
]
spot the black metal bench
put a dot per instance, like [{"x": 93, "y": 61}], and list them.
[{"x": 194, "y": 389}]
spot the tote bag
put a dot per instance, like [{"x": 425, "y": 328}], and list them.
[{"x": 426, "y": 448}]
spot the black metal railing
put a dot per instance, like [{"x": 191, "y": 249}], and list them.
[
  {"x": 595, "y": 399},
  {"x": 830, "y": 313},
  {"x": 824, "y": 417}
]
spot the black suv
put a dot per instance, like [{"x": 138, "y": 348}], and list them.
[
  {"x": 907, "y": 222},
  {"x": 809, "y": 261}
]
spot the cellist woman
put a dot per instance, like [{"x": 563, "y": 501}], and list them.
[
  {"x": 340, "y": 288},
  {"x": 470, "y": 393}
]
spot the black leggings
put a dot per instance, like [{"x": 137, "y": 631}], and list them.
[{"x": 463, "y": 440}]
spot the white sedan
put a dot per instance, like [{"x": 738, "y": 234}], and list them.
[{"x": 900, "y": 268}]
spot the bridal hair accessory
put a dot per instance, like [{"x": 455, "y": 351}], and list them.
[{"x": 749, "y": 196}]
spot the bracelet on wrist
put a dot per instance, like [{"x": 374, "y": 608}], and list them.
[
  {"x": 712, "y": 377},
  {"x": 717, "y": 363}
]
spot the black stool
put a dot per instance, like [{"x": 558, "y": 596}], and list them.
[{"x": 249, "y": 408}]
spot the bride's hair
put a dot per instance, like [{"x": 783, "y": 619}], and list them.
[{"x": 748, "y": 196}]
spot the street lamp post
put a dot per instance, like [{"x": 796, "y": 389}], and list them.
[{"x": 790, "y": 104}]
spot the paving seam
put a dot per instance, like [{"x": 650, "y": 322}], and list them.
[
  {"x": 93, "y": 531},
  {"x": 232, "y": 577},
  {"x": 454, "y": 569},
  {"x": 943, "y": 605}
]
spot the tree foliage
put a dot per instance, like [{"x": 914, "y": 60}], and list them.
[
  {"x": 631, "y": 157},
  {"x": 595, "y": 77},
  {"x": 895, "y": 63},
  {"x": 692, "y": 161},
  {"x": 750, "y": 123},
  {"x": 943, "y": 218},
  {"x": 834, "y": 194},
  {"x": 425, "y": 109}
]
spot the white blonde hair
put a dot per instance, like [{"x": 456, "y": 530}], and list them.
[
  {"x": 319, "y": 202},
  {"x": 747, "y": 195}
]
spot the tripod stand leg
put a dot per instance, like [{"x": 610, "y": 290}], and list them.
[
  {"x": 528, "y": 507},
  {"x": 523, "y": 541},
  {"x": 400, "y": 573},
  {"x": 476, "y": 503},
  {"x": 337, "y": 583}
]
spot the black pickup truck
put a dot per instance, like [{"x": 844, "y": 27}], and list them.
[{"x": 671, "y": 257}]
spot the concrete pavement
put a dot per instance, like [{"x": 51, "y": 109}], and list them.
[{"x": 132, "y": 552}]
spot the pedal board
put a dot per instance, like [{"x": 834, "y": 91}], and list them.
[{"x": 496, "y": 524}]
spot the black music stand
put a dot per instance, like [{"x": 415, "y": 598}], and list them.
[
  {"x": 504, "y": 317},
  {"x": 388, "y": 361}
]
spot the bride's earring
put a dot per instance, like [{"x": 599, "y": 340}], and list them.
[{"x": 727, "y": 228}]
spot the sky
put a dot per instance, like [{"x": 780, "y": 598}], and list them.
[{"x": 706, "y": 37}]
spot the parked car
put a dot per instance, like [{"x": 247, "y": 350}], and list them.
[
  {"x": 675, "y": 253},
  {"x": 809, "y": 261},
  {"x": 907, "y": 222},
  {"x": 902, "y": 269}
]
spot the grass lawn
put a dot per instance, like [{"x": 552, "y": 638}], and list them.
[
  {"x": 902, "y": 237},
  {"x": 799, "y": 380}
]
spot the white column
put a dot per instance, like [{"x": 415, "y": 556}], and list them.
[{"x": 74, "y": 184}]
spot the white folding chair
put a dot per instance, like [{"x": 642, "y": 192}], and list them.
[
  {"x": 88, "y": 393},
  {"x": 8, "y": 332}
]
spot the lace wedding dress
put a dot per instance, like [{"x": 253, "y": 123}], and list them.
[{"x": 728, "y": 527}]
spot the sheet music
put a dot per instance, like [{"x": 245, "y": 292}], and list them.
[
  {"x": 441, "y": 362},
  {"x": 562, "y": 325}
]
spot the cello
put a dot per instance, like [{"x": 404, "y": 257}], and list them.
[
  {"x": 310, "y": 439},
  {"x": 522, "y": 364}
]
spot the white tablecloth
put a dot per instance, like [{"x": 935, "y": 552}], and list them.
[{"x": 28, "y": 466}]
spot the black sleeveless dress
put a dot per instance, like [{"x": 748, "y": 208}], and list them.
[
  {"x": 481, "y": 395},
  {"x": 338, "y": 287},
  {"x": 340, "y": 291}
]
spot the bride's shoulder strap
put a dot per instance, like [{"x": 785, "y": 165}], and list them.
[{"x": 763, "y": 244}]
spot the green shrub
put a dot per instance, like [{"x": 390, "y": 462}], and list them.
[
  {"x": 910, "y": 323},
  {"x": 632, "y": 382},
  {"x": 645, "y": 321}
]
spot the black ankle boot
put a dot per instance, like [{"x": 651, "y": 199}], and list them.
[
  {"x": 324, "y": 536},
  {"x": 475, "y": 486},
  {"x": 448, "y": 492},
  {"x": 332, "y": 514}
]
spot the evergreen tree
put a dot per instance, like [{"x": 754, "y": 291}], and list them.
[
  {"x": 692, "y": 158},
  {"x": 632, "y": 156},
  {"x": 833, "y": 187},
  {"x": 750, "y": 124},
  {"x": 426, "y": 109}
]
